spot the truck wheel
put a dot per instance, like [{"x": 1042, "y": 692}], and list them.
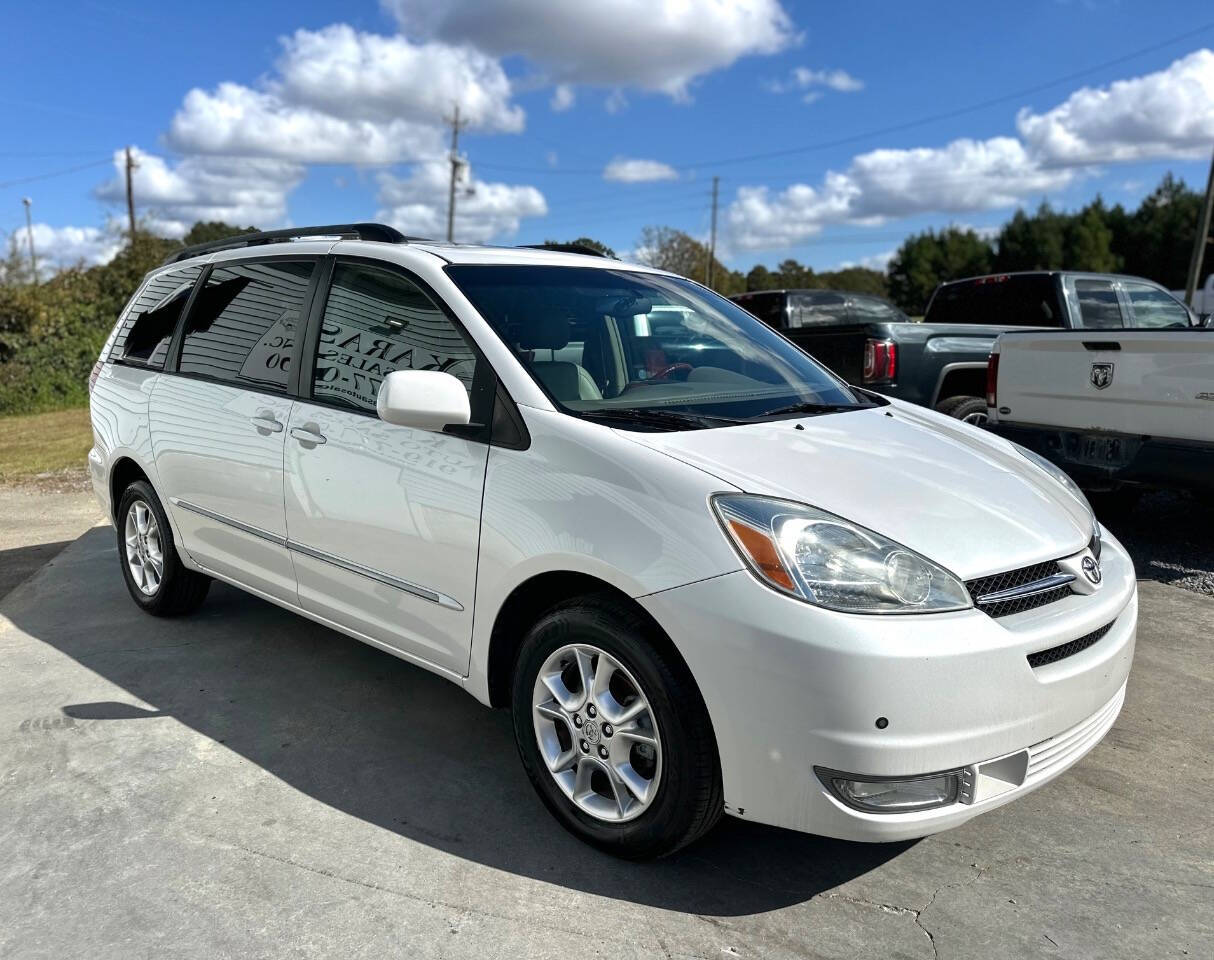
[
  {"x": 613, "y": 732},
  {"x": 971, "y": 410}
]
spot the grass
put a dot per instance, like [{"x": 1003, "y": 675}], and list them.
[{"x": 44, "y": 443}]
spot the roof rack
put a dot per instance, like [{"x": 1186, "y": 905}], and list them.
[
  {"x": 565, "y": 248},
  {"x": 337, "y": 231}
]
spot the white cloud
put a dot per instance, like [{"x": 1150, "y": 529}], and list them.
[
  {"x": 659, "y": 45},
  {"x": 367, "y": 76},
  {"x": 341, "y": 96},
  {"x": 562, "y": 97},
  {"x": 59, "y": 247},
  {"x": 803, "y": 78},
  {"x": 965, "y": 175},
  {"x": 417, "y": 204},
  {"x": 623, "y": 170},
  {"x": 877, "y": 261},
  {"x": 171, "y": 197},
  {"x": 1164, "y": 114}
]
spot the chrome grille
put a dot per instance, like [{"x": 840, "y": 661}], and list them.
[
  {"x": 1064, "y": 650},
  {"x": 1012, "y": 579}
]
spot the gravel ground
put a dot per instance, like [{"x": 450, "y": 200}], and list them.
[{"x": 1171, "y": 538}]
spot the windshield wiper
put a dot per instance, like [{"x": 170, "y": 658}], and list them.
[
  {"x": 813, "y": 408},
  {"x": 655, "y": 417}
]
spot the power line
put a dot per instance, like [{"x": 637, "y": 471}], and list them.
[{"x": 54, "y": 173}]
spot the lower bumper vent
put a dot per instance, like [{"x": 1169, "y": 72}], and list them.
[{"x": 1064, "y": 650}]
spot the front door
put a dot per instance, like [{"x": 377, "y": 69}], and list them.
[
  {"x": 218, "y": 423},
  {"x": 383, "y": 521}
]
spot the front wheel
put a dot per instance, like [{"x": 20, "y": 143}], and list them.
[{"x": 613, "y": 732}]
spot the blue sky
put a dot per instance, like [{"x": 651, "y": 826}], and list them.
[{"x": 294, "y": 113}]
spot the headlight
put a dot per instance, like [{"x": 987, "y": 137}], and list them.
[
  {"x": 831, "y": 562},
  {"x": 1071, "y": 486}
]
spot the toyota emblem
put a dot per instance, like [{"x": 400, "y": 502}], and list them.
[{"x": 1091, "y": 569}]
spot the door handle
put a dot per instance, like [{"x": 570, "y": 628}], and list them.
[
  {"x": 265, "y": 423},
  {"x": 309, "y": 435}
]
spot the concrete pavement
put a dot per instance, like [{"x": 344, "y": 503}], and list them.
[{"x": 245, "y": 783}]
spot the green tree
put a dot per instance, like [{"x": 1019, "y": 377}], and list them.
[
  {"x": 760, "y": 278},
  {"x": 927, "y": 259},
  {"x": 1032, "y": 242},
  {"x": 1156, "y": 240},
  {"x": 1088, "y": 240},
  {"x": 212, "y": 230},
  {"x": 587, "y": 242}
]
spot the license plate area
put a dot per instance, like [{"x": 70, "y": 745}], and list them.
[{"x": 1099, "y": 450}]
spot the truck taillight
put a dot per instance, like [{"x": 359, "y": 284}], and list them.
[
  {"x": 992, "y": 380},
  {"x": 880, "y": 361},
  {"x": 96, "y": 372}
]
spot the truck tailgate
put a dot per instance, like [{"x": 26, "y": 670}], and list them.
[{"x": 1151, "y": 383}]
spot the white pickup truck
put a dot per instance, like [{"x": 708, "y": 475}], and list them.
[{"x": 1116, "y": 409}]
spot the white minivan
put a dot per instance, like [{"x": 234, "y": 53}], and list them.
[{"x": 705, "y": 575}]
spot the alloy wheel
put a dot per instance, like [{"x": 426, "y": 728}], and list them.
[
  {"x": 596, "y": 733},
  {"x": 144, "y": 551}
]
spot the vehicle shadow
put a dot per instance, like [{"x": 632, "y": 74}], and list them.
[
  {"x": 19, "y": 563},
  {"x": 365, "y": 733}
]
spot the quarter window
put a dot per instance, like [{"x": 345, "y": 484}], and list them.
[
  {"x": 377, "y": 321},
  {"x": 1154, "y": 308},
  {"x": 147, "y": 328},
  {"x": 243, "y": 324},
  {"x": 813, "y": 309},
  {"x": 1098, "y": 307}
]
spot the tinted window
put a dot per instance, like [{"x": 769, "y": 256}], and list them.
[
  {"x": 243, "y": 324},
  {"x": 768, "y": 307},
  {"x": 1007, "y": 300},
  {"x": 1154, "y": 308},
  {"x": 1098, "y": 307},
  {"x": 377, "y": 321},
  {"x": 148, "y": 326},
  {"x": 874, "y": 310},
  {"x": 810, "y": 309}
]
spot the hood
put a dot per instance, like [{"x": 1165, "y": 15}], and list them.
[{"x": 954, "y": 494}]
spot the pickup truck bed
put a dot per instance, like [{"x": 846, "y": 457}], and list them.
[{"x": 1114, "y": 408}]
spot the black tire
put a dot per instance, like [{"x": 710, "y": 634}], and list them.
[
  {"x": 690, "y": 799},
  {"x": 180, "y": 590},
  {"x": 970, "y": 409},
  {"x": 948, "y": 406}
]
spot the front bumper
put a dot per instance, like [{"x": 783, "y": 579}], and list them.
[{"x": 790, "y": 687}]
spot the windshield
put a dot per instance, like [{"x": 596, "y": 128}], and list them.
[{"x": 661, "y": 352}]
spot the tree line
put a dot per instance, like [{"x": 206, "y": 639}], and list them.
[{"x": 1153, "y": 241}]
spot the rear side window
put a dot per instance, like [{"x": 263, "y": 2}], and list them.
[
  {"x": 144, "y": 334},
  {"x": 377, "y": 321},
  {"x": 1098, "y": 306},
  {"x": 242, "y": 327},
  {"x": 1006, "y": 300},
  {"x": 875, "y": 310},
  {"x": 1153, "y": 307},
  {"x": 812, "y": 309},
  {"x": 768, "y": 307}
]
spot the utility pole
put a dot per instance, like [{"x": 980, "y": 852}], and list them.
[
  {"x": 1200, "y": 241},
  {"x": 29, "y": 233},
  {"x": 456, "y": 163},
  {"x": 130, "y": 192},
  {"x": 712, "y": 243}
]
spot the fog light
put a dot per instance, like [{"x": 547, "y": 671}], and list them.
[{"x": 889, "y": 795}]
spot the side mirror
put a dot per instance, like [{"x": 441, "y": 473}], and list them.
[
  {"x": 423, "y": 399},
  {"x": 1204, "y": 319}
]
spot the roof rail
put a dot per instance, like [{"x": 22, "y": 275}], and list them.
[
  {"x": 565, "y": 248},
  {"x": 340, "y": 231}
]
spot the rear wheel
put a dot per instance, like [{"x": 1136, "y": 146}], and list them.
[
  {"x": 154, "y": 574},
  {"x": 971, "y": 410},
  {"x": 613, "y": 732}
]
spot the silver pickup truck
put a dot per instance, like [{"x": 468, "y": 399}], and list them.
[{"x": 1118, "y": 410}]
